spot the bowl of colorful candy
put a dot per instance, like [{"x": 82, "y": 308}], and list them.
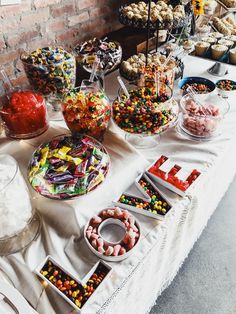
[
  {"x": 149, "y": 110},
  {"x": 226, "y": 88},
  {"x": 24, "y": 114},
  {"x": 68, "y": 166},
  {"x": 201, "y": 85},
  {"x": 87, "y": 111},
  {"x": 201, "y": 120}
]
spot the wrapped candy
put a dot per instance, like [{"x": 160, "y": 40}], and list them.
[{"x": 64, "y": 167}]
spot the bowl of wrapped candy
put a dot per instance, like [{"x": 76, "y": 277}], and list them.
[{"x": 68, "y": 166}]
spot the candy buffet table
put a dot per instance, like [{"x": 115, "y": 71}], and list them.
[{"x": 135, "y": 282}]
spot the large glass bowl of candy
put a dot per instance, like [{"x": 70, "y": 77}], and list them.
[
  {"x": 68, "y": 166},
  {"x": 50, "y": 71},
  {"x": 107, "y": 53},
  {"x": 202, "y": 120},
  {"x": 149, "y": 111},
  {"x": 19, "y": 223},
  {"x": 87, "y": 111},
  {"x": 23, "y": 113}
]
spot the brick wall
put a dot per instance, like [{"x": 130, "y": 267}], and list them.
[{"x": 38, "y": 23}]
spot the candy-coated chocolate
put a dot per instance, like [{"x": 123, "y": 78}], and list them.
[
  {"x": 73, "y": 290},
  {"x": 144, "y": 112}
]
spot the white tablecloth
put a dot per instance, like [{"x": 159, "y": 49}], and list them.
[{"x": 135, "y": 282}]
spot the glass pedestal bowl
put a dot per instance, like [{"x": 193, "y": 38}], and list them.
[
  {"x": 149, "y": 111},
  {"x": 19, "y": 223},
  {"x": 50, "y": 71},
  {"x": 202, "y": 122}
]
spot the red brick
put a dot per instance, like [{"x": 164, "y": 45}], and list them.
[
  {"x": 76, "y": 19},
  {"x": 38, "y": 43},
  {"x": 61, "y": 10},
  {"x": 56, "y": 26},
  {"x": 2, "y": 43},
  {"x": 44, "y": 3},
  {"x": 15, "y": 10},
  {"x": 37, "y": 17},
  {"x": 20, "y": 81},
  {"x": 9, "y": 69},
  {"x": 100, "y": 12},
  {"x": 8, "y": 25},
  {"x": 66, "y": 36},
  {"x": 9, "y": 56},
  {"x": 22, "y": 38},
  {"x": 85, "y": 4}
]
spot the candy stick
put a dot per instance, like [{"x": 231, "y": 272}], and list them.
[
  {"x": 157, "y": 82},
  {"x": 195, "y": 97},
  {"x": 94, "y": 70},
  {"x": 119, "y": 79}
]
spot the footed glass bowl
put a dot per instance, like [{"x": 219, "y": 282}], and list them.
[{"x": 148, "y": 112}]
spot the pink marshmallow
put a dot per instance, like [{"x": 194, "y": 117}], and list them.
[
  {"x": 109, "y": 251},
  {"x": 101, "y": 250},
  {"x": 94, "y": 243},
  {"x": 96, "y": 219},
  {"x": 116, "y": 250}
]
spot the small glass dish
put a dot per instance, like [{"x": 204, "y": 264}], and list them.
[{"x": 202, "y": 122}]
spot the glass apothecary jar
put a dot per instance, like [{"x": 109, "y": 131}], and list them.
[
  {"x": 19, "y": 223},
  {"x": 87, "y": 111}
]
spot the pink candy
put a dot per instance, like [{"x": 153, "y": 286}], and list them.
[
  {"x": 127, "y": 243},
  {"x": 201, "y": 120}
]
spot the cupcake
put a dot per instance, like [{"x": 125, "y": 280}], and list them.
[
  {"x": 188, "y": 44},
  {"x": 217, "y": 51},
  {"x": 209, "y": 40},
  {"x": 225, "y": 42},
  {"x": 232, "y": 56},
  {"x": 216, "y": 35},
  {"x": 201, "y": 48},
  {"x": 231, "y": 37}
]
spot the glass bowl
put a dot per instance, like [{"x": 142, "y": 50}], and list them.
[
  {"x": 202, "y": 122},
  {"x": 108, "y": 53},
  {"x": 24, "y": 114},
  {"x": 52, "y": 72},
  {"x": 68, "y": 166},
  {"x": 87, "y": 111},
  {"x": 146, "y": 115},
  {"x": 19, "y": 223}
]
